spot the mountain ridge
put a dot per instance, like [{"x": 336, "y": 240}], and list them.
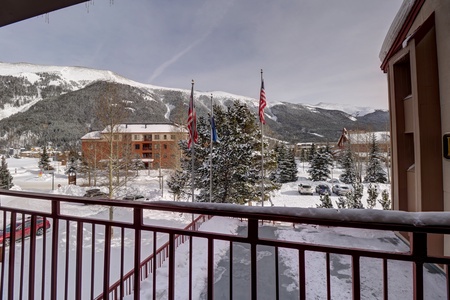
[{"x": 27, "y": 89}]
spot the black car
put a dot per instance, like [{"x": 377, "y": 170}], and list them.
[
  {"x": 95, "y": 193},
  {"x": 135, "y": 197},
  {"x": 323, "y": 189}
]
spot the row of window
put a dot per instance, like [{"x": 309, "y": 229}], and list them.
[
  {"x": 149, "y": 147},
  {"x": 151, "y": 137}
]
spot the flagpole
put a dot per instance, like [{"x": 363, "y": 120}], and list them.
[
  {"x": 262, "y": 146},
  {"x": 210, "y": 152},
  {"x": 193, "y": 145}
]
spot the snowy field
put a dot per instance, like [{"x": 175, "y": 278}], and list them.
[{"x": 28, "y": 178}]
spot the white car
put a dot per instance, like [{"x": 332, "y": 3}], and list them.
[
  {"x": 305, "y": 189},
  {"x": 340, "y": 189}
]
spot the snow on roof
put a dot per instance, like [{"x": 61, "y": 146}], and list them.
[
  {"x": 363, "y": 137},
  {"x": 395, "y": 27},
  {"x": 93, "y": 135},
  {"x": 148, "y": 128}
]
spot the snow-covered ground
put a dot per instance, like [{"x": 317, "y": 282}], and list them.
[{"x": 27, "y": 177}]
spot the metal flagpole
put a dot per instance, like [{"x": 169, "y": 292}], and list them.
[
  {"x": 262, "y": 135},
  {"x": 193, "y": 129},
  {"x": 210, "y": 152}
]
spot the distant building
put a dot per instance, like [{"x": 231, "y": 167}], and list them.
[
  {"x": 154, "y": 144},
  {"x": 416, "y": 58}
]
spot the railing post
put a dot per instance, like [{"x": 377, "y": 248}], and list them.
[
  {"x": 55, "y": 240},
  {"x": 137, "y": 251},
  {"x": 419, "y": 254},
  {"x": 12, "y": 257},
  {"x": 253, "y": 239},
  {"x": 79, "y": 262}
]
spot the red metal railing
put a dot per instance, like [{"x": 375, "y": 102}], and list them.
[
  {"x": 123, "y": 286},
  {"x": 81, "y": 257}
]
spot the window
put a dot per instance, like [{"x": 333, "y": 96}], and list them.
[
  {"x": 137, "y": 137},
  {"x": 147, "y": 137},
  {"x": 146, "y": 146},
  {"x": 157, "y": 155},
  {"x": 156, "y": 136},
  {"x": 172, "y": 137},
  {"x": 137, "y": 146},
  {"x": 165, "y": 147},
  {"x": 156, "y": 146},
  {"x": 165, "y": 137},
  {"x": 146, "y": 155}
]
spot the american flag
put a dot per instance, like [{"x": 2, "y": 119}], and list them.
[
  {"x": 192, "y": 120},
  {"x": 262, "y": 103},
  {"x": 343, "y": 138}
]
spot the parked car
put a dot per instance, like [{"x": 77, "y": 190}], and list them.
[
  {"x": 340, "y": 189},
  {"x": 21, "y": 232},
  {"x": 135, "y": 197},
  {"x": 323, "y": 189},
  {"x": 334, "y": 181},
  {"x": 305, "y": 189},
  {"x": 95, "y": 193}
]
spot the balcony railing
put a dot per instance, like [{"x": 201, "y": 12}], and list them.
[{"x": 87, "y": 255}]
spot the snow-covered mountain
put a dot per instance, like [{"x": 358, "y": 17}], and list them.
[{"x": 56, "y": 103}]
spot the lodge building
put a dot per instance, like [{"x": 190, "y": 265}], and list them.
[
  {"x": 155, "y": 144},
  {"x": 416, "y": 58}
]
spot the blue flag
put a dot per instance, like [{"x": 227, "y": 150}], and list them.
[{"x": 213, "y": 130}]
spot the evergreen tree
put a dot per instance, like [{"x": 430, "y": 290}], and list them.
[
  {"x": 320, "y": 166},
  {"x": 341, "y": 203},
  {"x": 385, "y": 201},
  {"x": 354, "y": 196},
  {"x": 236, "y": 167},
  {"x": 44, "y": 160},
  {"x": 311, "y": 152},
  {"x": 373, "y": 195},
  {"x": 73, "y": 165},
  {"x": 348, "y": 164},
  {"x": 286, "y": 166},
  {"x": 5, "y": 176},
  {"x": 374, "y": 170},
  {"x": 325, "y": 201}
]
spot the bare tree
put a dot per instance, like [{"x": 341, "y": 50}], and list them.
[{"x": 111, "y": 112}]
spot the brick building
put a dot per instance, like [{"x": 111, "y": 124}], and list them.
[{"x": 154, "y": 144}]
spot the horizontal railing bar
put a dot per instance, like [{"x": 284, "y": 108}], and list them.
[{"x": 429, "y": 222}]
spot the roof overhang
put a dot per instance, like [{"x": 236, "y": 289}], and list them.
[
  {"x": 401, "y": 34},
  {"x": 13, "y": 11}
]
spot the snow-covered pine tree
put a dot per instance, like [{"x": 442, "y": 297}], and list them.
[
  {"x": 5, "y": 176},
  {"x": 311, "y": 152},
  {"x": 341, "y": 202},
  {"x": 286, "y": 166},
  {"x": 348, "y": 164},
  {"x": 44, "y": 160},
  {"x": 374, "y": 169},
  {"x": 236, "y": 158},
  {"x": 320, "y": 166},
  {"x": 325, "y": 202},
  {"x": 73, "y": 165},
  {"x": 385, "y": 201},
  {"x": 354, "y": 197},
  {"x": 372, "y": 191}
]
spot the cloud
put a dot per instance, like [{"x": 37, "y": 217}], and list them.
[{"x": 208, "y": 18}]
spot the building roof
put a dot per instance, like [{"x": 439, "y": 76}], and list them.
[
  {"x": 17, "y": 10},
  {"x": 93, "y": 135},
  {"x": 147, "y": 128},
  {"x": 397, "y": 33},
  {"x": 136, "y": 129}
]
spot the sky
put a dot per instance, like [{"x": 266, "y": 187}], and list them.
[{"x": 311, "y": 51}]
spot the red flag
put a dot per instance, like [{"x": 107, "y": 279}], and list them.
[
  {"x": 192, "y": 120},
  {"x": 262, "y": 102},
  {"x": 343, "y": 138}
]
